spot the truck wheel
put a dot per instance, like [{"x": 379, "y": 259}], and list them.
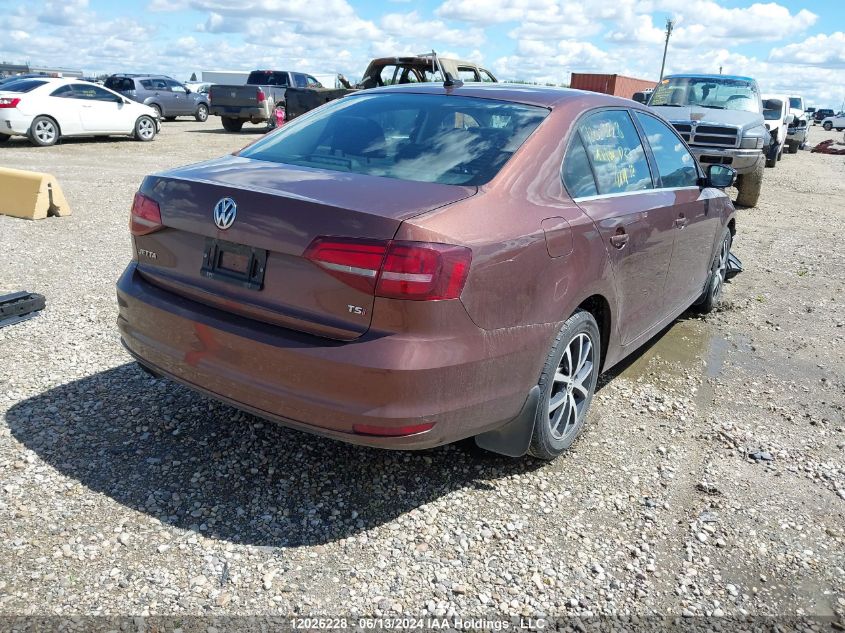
[
  {"x": 780, "y": 152},
  {"x": 749, "y": 186},
  {"x": 827, "y": 126},
  {"x": 201, "y": 114},
  {"x": 232, "y": 125},
  {"x": 793, "y": 148}
]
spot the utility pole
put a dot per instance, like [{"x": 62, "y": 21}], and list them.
[
  {"x": 669, "y": 25},
  {"x": 720, "y": 70}
]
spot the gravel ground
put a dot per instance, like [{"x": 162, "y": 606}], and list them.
[{"x": 710, "y": 478}]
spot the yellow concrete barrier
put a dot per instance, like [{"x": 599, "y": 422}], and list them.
[{"x": 30, "y": 194}]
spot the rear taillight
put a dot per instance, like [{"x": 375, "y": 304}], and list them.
[
  {"x": 9, "y": 102},
  {"x": 260, "y": 96},
  {"x": 145, "y": 217},
  {"x": 421, "y": 271}
]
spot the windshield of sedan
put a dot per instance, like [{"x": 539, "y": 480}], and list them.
[
  {"x": 22, "y": 85},
  {"x": 424, "y": 138},
  {"x": 707, "y": 92}
]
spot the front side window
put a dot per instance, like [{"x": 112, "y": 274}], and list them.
[
  {"x": 707, "y": 92},
  {"x": 615, "y": 151},
  {"x": 417, "y": 137},
  {"x": 299, "y": 80},
  {"x": 675, "y": 164},
  {"x": 175, "y": 86},
  {"x": 577, "y": 173}
]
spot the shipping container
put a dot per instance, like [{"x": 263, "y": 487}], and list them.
[{"x": 618, "y": 85}]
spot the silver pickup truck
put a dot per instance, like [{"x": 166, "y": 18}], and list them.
[
  {"x": 256, "y": 100},
  {"x": 721, "y": 119}
]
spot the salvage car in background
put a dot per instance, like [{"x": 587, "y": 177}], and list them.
[
  {"x": 835, "y": 121},
  {"x": 45, "y": 110},
  {"x": 776, "y": 114},
  {"x": 798, "y": 124},
  {"x": 413, "y": 265},
  {"x": 168, "y": 97},
  {"x": 721, "y": 118}
]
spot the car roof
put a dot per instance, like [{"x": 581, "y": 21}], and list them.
[
  {"x": 421, "y": 59},
  {"x": 543, "y": 96},
  {"x": 706, "y": 76}
]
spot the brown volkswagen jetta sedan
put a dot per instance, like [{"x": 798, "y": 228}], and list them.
[{"x": 413, "y": 265}]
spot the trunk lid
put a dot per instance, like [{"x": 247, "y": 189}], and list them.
[{"x": 280, "y": 209}]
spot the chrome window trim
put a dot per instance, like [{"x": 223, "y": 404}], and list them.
[{"x": 634, "y": 193}]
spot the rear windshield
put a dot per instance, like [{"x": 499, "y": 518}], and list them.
[
  {"x": 267, "y": 78},
  {"x": 22, "y": 85},
  {"x": 120, "y": 84},
  {"x": 424, "y": 138}
]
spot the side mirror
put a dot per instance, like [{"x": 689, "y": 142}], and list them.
[
  {"x": 720, "y": 176},
  {"x": 187, "y": 90}
]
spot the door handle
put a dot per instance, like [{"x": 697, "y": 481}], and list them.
[
  {"x": 681, "y": 222},
  {"x": 620, "y": 239}
]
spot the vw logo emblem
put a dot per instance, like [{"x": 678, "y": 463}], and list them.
[{"x": 224, "y": 213}]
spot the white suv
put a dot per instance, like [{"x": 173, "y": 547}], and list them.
[
  {"x": 837, "y": 121},
  {"x": 798, "y": 125}
]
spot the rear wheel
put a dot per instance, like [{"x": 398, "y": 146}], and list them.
[
  {"x": 201, "y": 114},
  {"x": 749, "y": 186},
  {"x": 772, "y": 160},
  {"x": 44, "y": 131},
  {"x": 232, "y": 125},
  {"x": 718, "y": 272},
  {"x": 567, "y": 385},
  {"x": 145, "y": 129}
]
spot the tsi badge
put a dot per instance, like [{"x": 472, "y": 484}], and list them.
[
  {"x": 356, "y": 310},
  {"x": 224, "y": 213}
]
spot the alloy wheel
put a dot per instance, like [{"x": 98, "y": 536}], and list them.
[
  {"x": 146, "y": 129},
  {"x": 45, "y": 132},
  {"x": 721, "y": 267},
  {"x": 571, "y": 386}
]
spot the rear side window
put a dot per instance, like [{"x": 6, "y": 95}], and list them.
[
  {"x": 22, "y": 85},
  {"x": 675, "y": 164},
  {"x": 615, "y": 151},
  {"x": 577, "y": 173},
  {"x": 417, "y": 137},
  {"x": 64, "y": 91}
]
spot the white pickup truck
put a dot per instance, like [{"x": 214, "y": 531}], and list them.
[
  {"x": 796, "y": 134},
  {"x": 777, "y": 117}
]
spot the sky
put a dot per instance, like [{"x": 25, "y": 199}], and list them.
[{"x": 789, "y": 46}]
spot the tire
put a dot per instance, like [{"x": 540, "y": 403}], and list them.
[
  {"x": 793, "y": 149},
  {"x": 201, "y": 114},
  {"x": 556, "y": 427},
  {"x": 827, "y": 126},
  {"x": 157, "y": 110},
  {"x": 716, "y": 281},
  {"x": 232, "y": 125},
  {"x": 839, "y": 129},
  {"x": 44, "y": 131},
  {"x": 5, "y": 137},
  {"x": 145, "y": 129},
  {"x": 749, "y": 186}
]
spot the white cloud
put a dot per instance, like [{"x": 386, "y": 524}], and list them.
[
  {"x": 826, "y": 51},
  {"x": 412, "y": 26}
]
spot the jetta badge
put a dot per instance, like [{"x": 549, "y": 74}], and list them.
[{"x": 224, "y": 213}]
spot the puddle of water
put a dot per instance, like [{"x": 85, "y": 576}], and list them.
[{"x": 687, "y": 346}]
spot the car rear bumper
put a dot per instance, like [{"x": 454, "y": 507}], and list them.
[
  {"x": 14, "y": 123},
  {"x": 466, "y": 381},
  {"x": 742, "y": 160},
  {"x": 236, "y": 112}
]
